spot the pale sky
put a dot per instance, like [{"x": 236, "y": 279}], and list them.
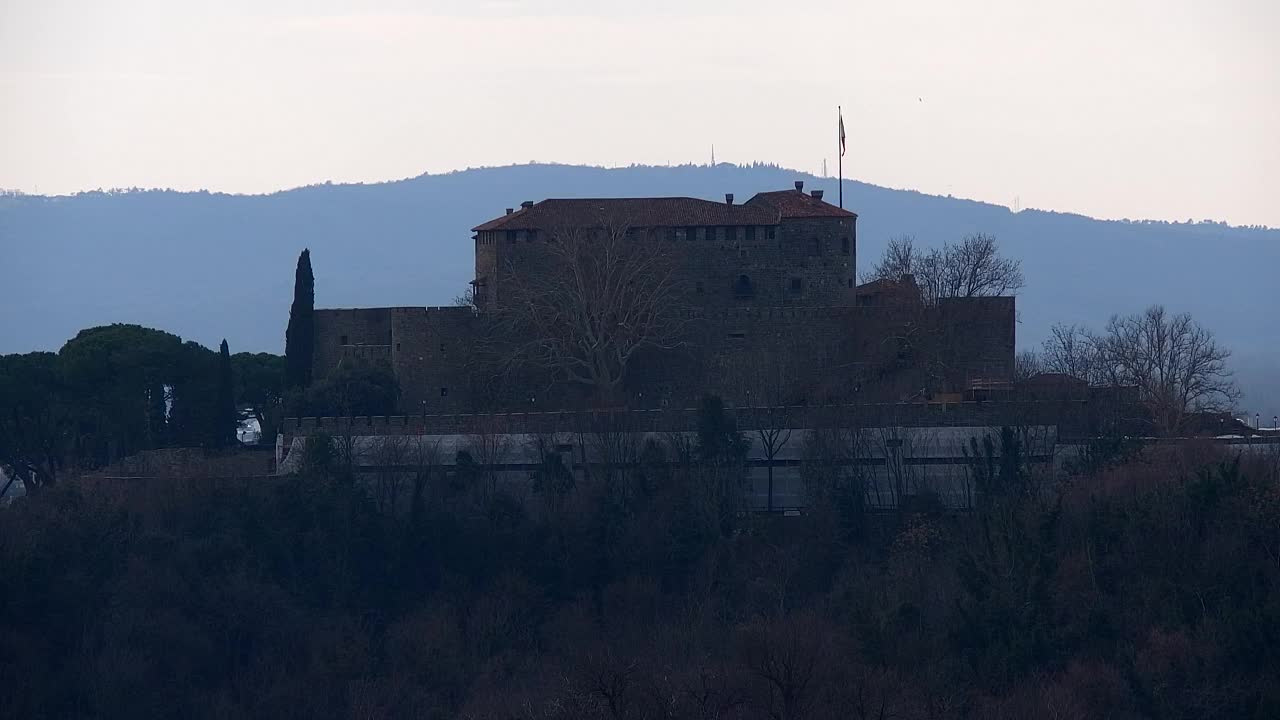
[{"x": 1117, "y": 108}]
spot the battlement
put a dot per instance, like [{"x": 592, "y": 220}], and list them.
[{"x": 1073, "y": 417}]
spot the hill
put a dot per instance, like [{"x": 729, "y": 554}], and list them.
[{"x": 208, "y": 266}]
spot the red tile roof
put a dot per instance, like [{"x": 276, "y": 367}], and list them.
[
  {"x": 631, "y": 212},
  {"x": 797, "y": 204}
]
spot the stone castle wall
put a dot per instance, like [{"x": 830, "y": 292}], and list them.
[
  {"x": 773, "y": 318},
  {"x": 780, "y": 354}
]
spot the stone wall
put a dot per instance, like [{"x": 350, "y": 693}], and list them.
[
  {"x": 751, "y": 354},
  {"x": 1072, "y": 416},
  {"x": 432, "y": 355},
  {"x": 363, "y": 333}
]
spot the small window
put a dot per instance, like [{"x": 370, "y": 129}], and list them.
[
  {"x": 816, "y": 247},
  {"x": 730, "y": 234},
  {"x": 511, "y": 236},
  {"x": 397, "y": 347},
  {"x": 679, "y": 233},
  {"x": 533, "y": 235},
  {"x": 444, "y": 392},
  {"x": 342, "y": 340},
  {"x": 751, "y": 233},
  {"x": 698, "y": 287},
  {"x": 796, "y": 286},
  {"x": 769, "y": 233},
  {"x": 844, "y": 245},
  {"x": 737, "y": 335},
  {"x": 742, "y": 287},
  {"x": 442, "y": 347},
  {"x": 691, "y": 234},
  {"x": 564, "y": 448}
]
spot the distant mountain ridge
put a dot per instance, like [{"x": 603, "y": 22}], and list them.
[{"x": 208, "y": 265}]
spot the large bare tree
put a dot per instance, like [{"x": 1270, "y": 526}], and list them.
[
  {"x": 971, "y": 268},
  {"x": 1072, "y": 350},
  {"x": 586, "y": 301},
  {"x": 1176, "y": 365}
]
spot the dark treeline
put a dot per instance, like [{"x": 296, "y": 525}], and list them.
[
  {"x": 1146, "y": 586},
  {"x": 116, "y": 390}
]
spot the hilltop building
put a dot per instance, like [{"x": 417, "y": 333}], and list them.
[{"x": 769, "y": 288}]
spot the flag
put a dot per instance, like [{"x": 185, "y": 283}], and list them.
[{"x": 841, "y": 116}]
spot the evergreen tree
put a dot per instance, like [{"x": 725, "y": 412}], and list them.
[
  {"x": 225, "y": 412},
  {"x": 299, "y": 338}
]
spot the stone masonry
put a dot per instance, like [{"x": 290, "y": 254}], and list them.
[{"x": 770, "y": 284}]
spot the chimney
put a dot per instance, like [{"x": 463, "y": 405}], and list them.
[
  {"x": 799, "y": 186},
  {"x": 510, "y": 210},
  {"x": 728, "y": 198},
  {"x": 526, "y": 204},
  {"x": 817, "y": 194}
]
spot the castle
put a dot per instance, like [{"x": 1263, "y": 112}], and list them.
[{"x": 765, "y": 290}]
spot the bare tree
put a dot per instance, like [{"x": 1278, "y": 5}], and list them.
[
  {"x": 391, "y": 455},
  {"x": 1176, "y": 365},
  {"x": 769, "y": 385},
  {"x": 1026, "y": 364},
  {"x": 971, "y": 268},
  {"x": 1071, "y": 350},
  {"x": 974, "y": 268},
  {"x": 900, "y": 258},
  {"x": 598, "y": 297}
]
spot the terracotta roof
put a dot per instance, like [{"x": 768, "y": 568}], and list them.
[
  {"x": 631, "y": 212},
  {"x": 797, "y": 204}
]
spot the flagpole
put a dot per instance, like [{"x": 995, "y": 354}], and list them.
[{"x": 840, "y": 153}]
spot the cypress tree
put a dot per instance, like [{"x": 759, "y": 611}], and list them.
[
  {"x": 299, "y": 338},
  {"x": 225, "y": 411}
]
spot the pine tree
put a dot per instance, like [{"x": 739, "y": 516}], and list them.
[
  {"x": 299, "y": 338},
  {"x": 225, "y": 412}
]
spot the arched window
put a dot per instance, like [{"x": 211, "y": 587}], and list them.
[{"x": 742, "y": 287}]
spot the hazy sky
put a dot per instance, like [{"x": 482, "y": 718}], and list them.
[{"x": 1162, "y": 109}]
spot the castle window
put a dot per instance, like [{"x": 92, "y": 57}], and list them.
[
  {"x": 397, "y": 347},
  {"x": 816, "y": 247},
  {"x": 742, "y": 287},
  {"x": 342, "y": 340},
  {"x": 444, "y": 392},
  {"x": 844, "y": 245},
  {"x": 442, "y": 347},
  {"x": 730, "y": 234},
  {"x": 796, "y": 286},
  {"x": 751, "y": 233},
  {"x": 691, "y": 233},
  {"x": 511, "y": 236},
  {"x": 679, "y": 233},
  {"x": 533, "y": 235},
  {"x": 769, "y": 234},
  {"x": 698, "y": 287},
  {"x": 737, "y": 335}
]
